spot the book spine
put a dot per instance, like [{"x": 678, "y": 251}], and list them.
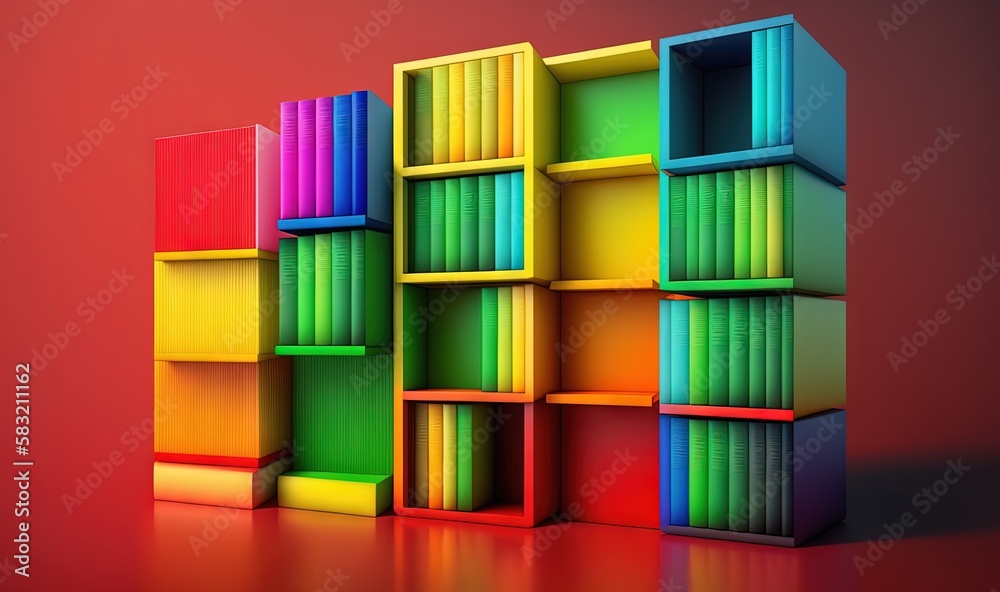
[
  {"x": 787, "y": 352},
  {"x": 439, "y": 114},
  {"x": 473, "y": 110},
  {"x": 725, "y": 225},
  {"x": 517, "y": 220},
  {"x": 787, "y": 85},
  {"x": 452, "y": 224},
  {"x": 463, "y": 456},
  {"x": 758, "y": 88},
  {"x": 469, "y": 237},
  {"x": 775, "y": 218},
  {"x": 679, "y": 471},
  {"x": 772, "y": 511},
  {"x": 741, "y": 225},
  {"x": 487, "y": 222},
  {"x": 307, "y": 289},
  {"x": 787, "y": 474},
  {"x": 758, "y": 477},
  {"x": 341, "y": 288},
  {"x": 698, "y": 473},
  {"x": 773, "y": 86},
  {"x": 739, "y": 476},
  {"x": 490, "y": 332},
  {"x": 456, "y": 112},
  {"x": 772, "y": 353},
  {"x": 449, "y": 463},
  {"x": 435, "y": 456},
  {"x": 758, "y": 223},
  {"x": 680, "y": 347},
  {"x": 739, "y": 352},
  {"x": 359, "y": 153},
  {"x": 289, "y": 160},
  {"x": 505, "y": 106},
  {"x": 342, "y": 201},
  {"x": 502, "y": 234},
  {"x": 677, "y": 225},
  {"x": 324, "y": 156},
  {"x": 288, "y": 330},
  {"x": 505, "y": 336},
  {"x": 692, "y": 217},
  {"x": 718, "y": 474},
  {"x": 307, "y": 158},
  {"x": 518, "y": 109},
  {"x": 422, "y": 151},
  {"x": 324, "y": 279},
  {"x": 706, "y": 226},
  {"x": 698, "y": 311},
  {"x": 437, "y": 225},
  {"x": 787, "y": 222},
  {"x": 518, "y": 306},
  {"x": 718, "y": 351},
  {"x": 357, "y": 302},
  {"x": 490, "y": 114},
  {"x": 420, "y": 456},
  {"x": 756, "y": 355},
  {"x": 422, "y": 226}
]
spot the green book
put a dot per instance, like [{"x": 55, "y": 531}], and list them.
[
  {"x": 449, "y": 450},
  {"x": 469, "y": 187},
  {"x": 307, "y": 290},
  {"x": 505, "y": 339},
  {"x": 739, "y": 476},
  {"x": 758, "y": 88},
  {"x": 423, "y": 131},
  {"x": 706, "y": 226},
  {"x": 421, "y": 226},
  {"x": 324, "y": 279},
  {"x": 775, "y": 219},
  {"x": 758, "y": 476},
  {"x": 725, "y": 221},
  {"x": 437, "y": 225},
  {"x": 774, "y": 86},
  {"x": 718, "y": 473},
  {"x": 473, "y": 110},
  {"x": 439, "y": 115},
  {"x": 741, "y": 225},
  {"x": 691, "y": 235},
  {"x": 487, "y": 222},
  {"x": 288, "y": 329},
  {"x": 758, "y": 223},
  {"x": 739, "y": 352},
  {"x": 421, "y": 487},
  {"x": 718, "y": 351},
  {"x": 452, "y": 224},
  {"x": 787, "y": 223},
  {"x": 698, "y": 473},
  {"x": 787, "y": 352},
  {"x": 772, "y": 508},
  {"x": 678, "y": 225},
  {"x": 356, "y": 310},
  {"x": 772, "y": 353},
  {"x": 756, "y": 354},
  {"x": 475, "y": 457},
  {"x": 490, "y": 337},
  {"x": 698, "y": 374},
  {"x": 342, "y": 287}
]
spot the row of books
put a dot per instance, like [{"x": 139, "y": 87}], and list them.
[
  {"x": 731, "y": 475},
  {"x": 732, "y": 224},
  {"x": 735, "y": 352},
  {"x": 333, "y": 150},
  {"x": 771, "y": 86},
  {"x": 335, "y": 288},
  {"x": 473, "y": 223},
  {"x": 452, "y": 456},
  {"x": 503, "y": 334},
  {"x": 468, "y": 111}
]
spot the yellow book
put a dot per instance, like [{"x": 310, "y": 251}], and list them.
[
  {"x": 517, "y": 339},
  {"x": 435, "y": 456},
  {"x": 449, "y": 446},
  {"x": 505, "y": 106},
  {"x": 456, "y": 112},
  {"x": 490, "y": 84},
  {"x": 344, "y": 493},
  {"x": 518, "y": 123},
  {"x": 232, "y": 487},
  {"x": 775, "y": 214},
  {"x": 473, "y": 110},
  {"x": 505, "y": 335},
  {"x": 439, "y": 113}
]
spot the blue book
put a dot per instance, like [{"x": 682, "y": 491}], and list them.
[
  {"x": 787, "y": 85},
  {"x": 758, "y": 88},
  {"x": 773, "y": 86},
  {"x": 372, "y": 157},
  {"x": 678, "y": 471},
  {"x": 517, "y": 220},
  {"x": 342, "y": 155},
  {"x": 680, "y": 369},
  {"x": 503, "y": 234}
]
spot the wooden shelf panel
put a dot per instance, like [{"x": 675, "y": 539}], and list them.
[
  {"x": 329, "y": 350},
  {"x": 603, "y": 285},
  {"x": 479, "y": 278},
  {"x": 510, "y": 514},
  {"x": 611, "y": 398},
  {"x": 722, "y": 412},
  {"x": 614, "y": 167},
  {"x": 310, "y": 226},
  {"x": 471, "y": 167},
  {"x": 214, "y": 254},
  {"x": 464, "y": 396},
  {"x": 600, "y": 63},
  {"x": 248, "y": 358}
]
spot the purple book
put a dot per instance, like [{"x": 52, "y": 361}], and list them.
[
  {"x": 307, "y": 158},
  {"x": 324, "y": 157},
  {"x": 289, "y": 160}
]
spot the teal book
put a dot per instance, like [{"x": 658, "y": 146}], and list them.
[
  {"x": 787, "y": 85},
  {"x": 422, "y": 149},
  {"x": 718, "y": 474},
  {"x": 758, "y": 88},
  {"x": 706, "y": 226},
  {"x": 677, "y": 226},
  {"x": 772, "y": 510},
  {"x": 307, "y": 289},
  {"x": 288, "y": 328},
  {"x": 774, "y": 86},
  {"x": 421, "y": 226},
  {"x": 718, "y": 351},
  {"x": 739, "y": 476},
  {"x": 437, "y": 225},
  {"x": 680, "y": 364},
  {"x": 772, "y": 353},
  {"x": 475, "y": 457},
  {"x": 739, "y": 352},
  {"x": 324, "y": 279},
  {"x": 698, "y": 473},
  {"x": 470, "y": 224},
  {"x": 342, "y": 287},
  {"x": 787, "y": 352},
  {"x": 487, "y": 222},
  {"x": 357, "y": 304},
  {"x": 725, "y": 221},
  {"x": 788, "y": 201},
  {"x": 452, "y": 224},
  {"x": 503, "y": 231},
  {"x": 787, "y": 491},
  {"x": 741, "y": 225},
  {"x": 517, "y": 220},
  {"x": 698, "y": 311},
  {"x": 758, "y": 223},
  {"x": 692, "y": 217},
  {"x": 490, "y": 333},
  {"x": 758, "y": 477},
  {"x": 756, "y": 355}
]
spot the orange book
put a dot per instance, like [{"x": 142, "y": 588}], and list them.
[
  {"x": 505, "y": 106},
  {"x": 518, "y": 111}
]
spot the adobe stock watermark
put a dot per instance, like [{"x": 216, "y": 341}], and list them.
[
  {"x": 958, "y": 297},
  {"x": 923, "y": 501},
  {"x": 121, "y": 106},
  {"x": 334, "y": 581},
  {"x": 245, "y": 157},
  {"x": 913, "y": 169},
  {"x": 365, "y": 33},
  {"x": 32, "y": 24},
  {"x": 249, "y": 327},
  {"x": 899, "y": 15},
  {"x": 224, "y": 7}
]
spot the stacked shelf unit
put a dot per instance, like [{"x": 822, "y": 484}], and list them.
[
  {"x": 223, "y": 419},
  {"x": 753, "y": 367},
  {"x": 336, "y": 301}
]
